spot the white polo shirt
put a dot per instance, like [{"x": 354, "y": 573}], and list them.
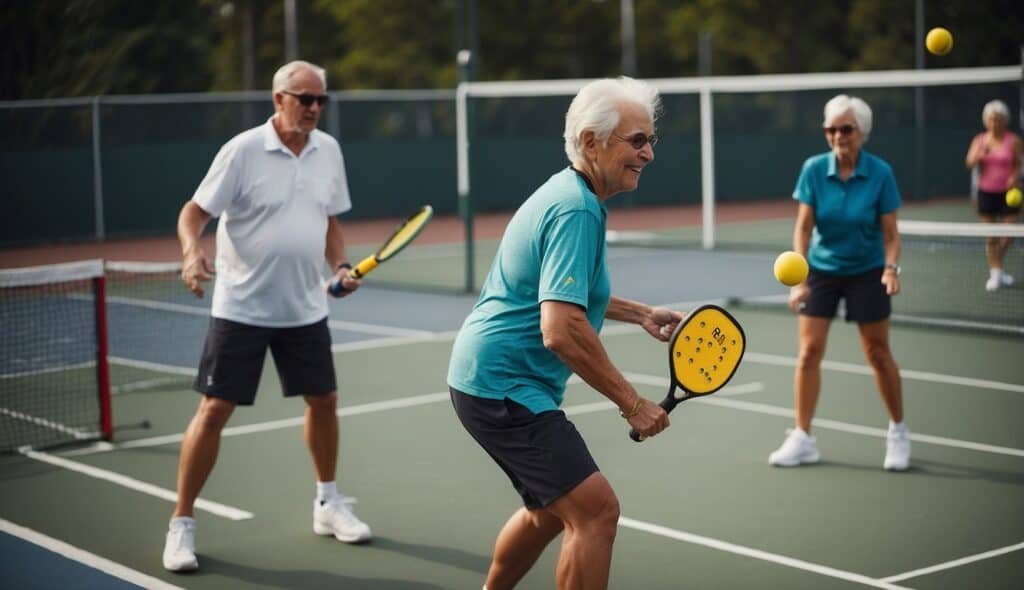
[{"x": 273, "y": 207}]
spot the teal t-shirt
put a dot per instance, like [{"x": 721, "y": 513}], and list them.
[
  {"x": 553, "y": 249},
  {"x": 847, "y": 237}
]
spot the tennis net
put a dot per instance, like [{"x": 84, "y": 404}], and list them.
[
  {"x": 945, "y": 269},
  {"x": 54, "y": 385},
  {"x": 156, "y": 327}
]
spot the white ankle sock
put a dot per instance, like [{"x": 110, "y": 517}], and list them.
[
  {"x": 183, "y": 519},
  {"x": 995, "y": 272},
  {"x": 325, "y": 490}
]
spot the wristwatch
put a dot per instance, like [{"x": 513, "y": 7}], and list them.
[{"x": 895, "y": 267}]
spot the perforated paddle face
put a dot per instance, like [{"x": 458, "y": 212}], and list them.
[
  {"x": 405, "y": 233},
  {"x": 706, "y": 350}
]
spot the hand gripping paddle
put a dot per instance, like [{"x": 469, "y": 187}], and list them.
[
  {"x": 405, "y": 233},
  {"x": 703, "y": 354}
]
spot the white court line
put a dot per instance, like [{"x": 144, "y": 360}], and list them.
[
  {"x": 77, "y": 433},
  {"x": 47, "y": 371},
  {"x": 205, "y": 311},
  {"x": 955, "y": 563},
  {"x": 639, "y": 378},
  {"x": 84, "y": 557},
  {"x": 826, "y": 424},
  {"x": 607, "y": 405},
  {"x": 822, "y": 423},
  {"x": 143, "y": 385},
  {"x": 786, "y": 361},
  {"x": 134, "y": 484},
  {"x": 156, "y": 367},
  {"x": 755, "y": 553},
  {"x": 392, "y": 404},
  {"x": 376, "y": 329},
  {"x": 394, "y": 341}
]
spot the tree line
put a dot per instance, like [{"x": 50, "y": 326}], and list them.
[{"x": 62, "y": 48}]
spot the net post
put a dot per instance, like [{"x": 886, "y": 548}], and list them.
[
  {"x": 707, "y": 168},
  {"x": 99, "y": 285},
  {"x": 462, "y": 123}
]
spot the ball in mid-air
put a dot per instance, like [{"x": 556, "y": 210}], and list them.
[
  {"x": 939, "y": 41},
  {"x": 790, "y": 268},
  {"x": 1013, "y": 197}
]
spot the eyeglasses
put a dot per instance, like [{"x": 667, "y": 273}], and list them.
[
  {"x": 307, "y": 100},
  {"x": 842, "y": 129},
  {"x": 639, "y": 140}
]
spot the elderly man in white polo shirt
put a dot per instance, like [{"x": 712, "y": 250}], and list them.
[{"x": 277, "y": 189}]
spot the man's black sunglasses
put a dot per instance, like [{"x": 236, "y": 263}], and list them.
[
  {"x": 639, "y": 140},
  {"x": 307, "y": 100}
]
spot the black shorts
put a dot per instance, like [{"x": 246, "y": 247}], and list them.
[
  {"x": 866, "y": 299},
  {"x": 995, "y": 204},
  {"x": 542, "y": 454},
  {"x": 233, "y": 355}
]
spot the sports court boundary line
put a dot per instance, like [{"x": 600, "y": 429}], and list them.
[
  {"x": 841, "y": 367},
  {"x": 639, "y": 378},
  {"x": 392, "y": 404},
  {"x": 800, "y": 564},
  {"x": 827, "y": 424},
  {"x": 205, "y": 312},
  {"x": 215, "y": 508},
  {"x": 82, "y": 556},
  {"x": 76, "y": 433},
  {"x": 954, "y": 563}
]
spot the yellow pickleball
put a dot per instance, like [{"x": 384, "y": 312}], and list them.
[
  {"x": 1013, "y": 197},
  {"x": 790, "y": 268},
  {"x": 939, "y": 41}
]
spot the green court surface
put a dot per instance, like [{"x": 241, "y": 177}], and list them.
[{"x": 701, "y": 508}]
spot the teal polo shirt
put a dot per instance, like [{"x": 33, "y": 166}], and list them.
[
  {"x": 553, "y": 250},
  {"x": 847, "y": 237}
]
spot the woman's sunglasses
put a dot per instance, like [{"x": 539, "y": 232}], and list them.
[
  {"x": 307, "y": 100},
  {"x": 842, "y": 129},
  {"x": 639, "y": 140}
]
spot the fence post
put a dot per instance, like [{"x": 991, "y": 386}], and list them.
[{"x": 97, "y": 171}]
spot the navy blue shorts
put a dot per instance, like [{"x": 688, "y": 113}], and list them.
[
  {"x": 543, "y": 454},
  {"x": 233, "y": 356},
  {"x": 865, "y": 296}
]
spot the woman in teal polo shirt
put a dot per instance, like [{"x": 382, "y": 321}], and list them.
[
  {"x": 846, "y": 227},
  {"x": 537, "y": 321}
]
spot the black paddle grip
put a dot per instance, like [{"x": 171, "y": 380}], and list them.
[{"x": 668, "y": 404}]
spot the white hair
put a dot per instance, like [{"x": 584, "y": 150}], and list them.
[
  {"x": 596, "y": 108},
  {"x": 841, "y": 104},
  {"x": 283, "y": 76},
  {"x": 995, "y": 107}
]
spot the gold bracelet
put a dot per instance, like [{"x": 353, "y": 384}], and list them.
[{"x": 635, "y": 410}]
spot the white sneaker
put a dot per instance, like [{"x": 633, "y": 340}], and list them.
[
  {"x": 334, "y": 517},
  {"x": 180, "y": 548},
  {"x": 1005, "y": 280},
  {"x": 993, "y": 282},
  {"x": 798, "y": 448},
  {"x": 897, "y": 448}
]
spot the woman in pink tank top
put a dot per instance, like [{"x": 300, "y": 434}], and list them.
[{"x": 997, "y": 154}]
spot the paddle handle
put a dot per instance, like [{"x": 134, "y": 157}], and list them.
[
  {"x": 357, "y": 272},
  {"x": 668, "y": 404}
]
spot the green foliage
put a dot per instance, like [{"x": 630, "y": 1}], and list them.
[{"x": 87, "y": 47}]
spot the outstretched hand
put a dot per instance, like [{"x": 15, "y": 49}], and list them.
[{"x": 662, "y": 322}]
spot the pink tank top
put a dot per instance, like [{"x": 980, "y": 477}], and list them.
[{"x": 997, "y": 166}]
